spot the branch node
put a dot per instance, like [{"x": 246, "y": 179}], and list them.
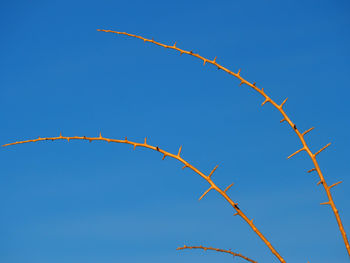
[{"x": 320, "y": 182}]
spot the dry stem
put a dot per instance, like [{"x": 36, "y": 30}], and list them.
[
  {"x": 218, "y": 250},
  {"x": 177, "y": 157},
  {"x": 279, "y": 108}
]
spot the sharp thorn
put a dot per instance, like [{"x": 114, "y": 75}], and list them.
[
  {"x": 325, "y": 203},
  {"x": 211, "y": 173},
  {"x": 242, "y": 82},
  {"x": 145, "y": 141},
  {"x": 266, "y": 100},
  {"x": 100, "y": 135},
  {"x": 164, "y": 156},
  {"x": 228, "y": 187},
  {"x": 305, "y": 132},
  {"x": 204, "y": 61},
  {"x": 320, "y": 182},
  {"x": 298, "y": 151},
  {"x": 184, "y": 166},
  {"x": 283, "y": 102},
  {"x": 200, "y": 198},
  {"x": 322, "y": 149},
  {"x": 235, "y": 214},
  {"x": 214, "y": 60},
  {"x": 335, "y": 184},
  {"x": 239, "y": 71},
  {"x": 178, "y": 154},
  {"x": 311, "y": 170},
  {"x": 282, "y": 120}
]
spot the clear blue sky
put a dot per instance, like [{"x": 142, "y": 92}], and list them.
[{"x": 96, "y": 202}]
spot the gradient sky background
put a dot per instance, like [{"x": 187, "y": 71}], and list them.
[{"x": 96, "y": 202}]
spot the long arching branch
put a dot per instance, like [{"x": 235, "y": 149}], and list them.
[
  {"x": 178, "y": 157},
  {"x": 285, "y": 118}
]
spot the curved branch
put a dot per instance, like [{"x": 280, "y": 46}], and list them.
[
  {"x": 278, "y": 107},
  {"x": 218, "y": 250},
  {"x": 177, "y": 157}
]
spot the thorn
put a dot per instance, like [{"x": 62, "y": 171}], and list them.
[
  {"x": 100, "y": 135},
  {"x": 325, "y": 203},
  {"x": 157, "y": 148},
  {"x": 320, "y": 182},
  {"x": 181, "y": 52},
  {"x": 145, "y": 141},
  {"x": 335, "y": 184},
  {"x": 305, "y": 132},
  {"x": 266, "y": 100},
  {"x": 322, "y": 149},
  {"x": 211, "y": 173},
  {"x": 164, "y": 156},
  {"x": 204, "y": 61},
  {"x": 282, "y": 120},
  {"x": 262, "y": 89},
  {"x": 214, "y": 60},
  {"x": 228, "y": 187},
  {"x": 205, "y": 192},
  {"x": 254, "y": 83},
  {"x": 90, "y": 140},
  {"x": 126, "y": 139},
  {"x": 174, "y": 44},
  {"x": 60, "y": 135},
  {"x": 239, "y": 71},
  {"x": 283, "y": 102},
  {"x": 68, "y": 139},
  {"x": 311, "y": 170},
  {"x": 298, "y": 151},
  {"x": 135, "y": 146},
  {"x": 184, "y": 166},
  {"x": 178, "y": 154},
  {"x": 235, "y": 214},
  {"x": 242, "y": 82},
  {"x": 251, "y": 221}
]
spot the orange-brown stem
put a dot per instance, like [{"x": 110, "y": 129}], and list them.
[
  {"x": 277, "y": 106},
  {"x": 218, "y": 250},
  {"x": 175, "y": 156}
]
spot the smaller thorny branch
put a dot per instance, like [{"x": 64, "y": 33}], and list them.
[
  {"x": 285, "y": 118},
  {"x": 178, "y": 157},
  {"x": 218, "y": 250}
]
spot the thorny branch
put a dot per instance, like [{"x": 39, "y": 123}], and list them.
[
  {"x": 218, "y": 250},
  {"x": 165, "y": 153},
  {"x": 279, "y": 108}
]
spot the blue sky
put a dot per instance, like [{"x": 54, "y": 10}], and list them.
[{"x": 98, "y": 202}]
